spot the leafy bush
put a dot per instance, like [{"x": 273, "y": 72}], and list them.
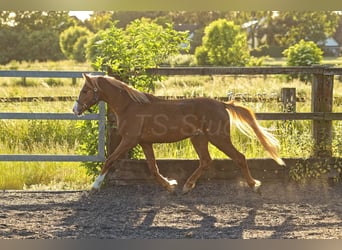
[
  {"x": 88, "y": 143},
  {"x": 142, "y": 45},
  {"x": 79, "y": 50},
  {"x": 72, "y": 42},
  {"x": 92, "y": 51},
  {"x": 304, "y": 53},
  {"x": 223, "y": 43}
]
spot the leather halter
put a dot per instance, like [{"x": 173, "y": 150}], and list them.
[{"x": 95, "y": 99}]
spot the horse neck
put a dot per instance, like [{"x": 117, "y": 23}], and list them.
[{"x": 117, "y": 99}]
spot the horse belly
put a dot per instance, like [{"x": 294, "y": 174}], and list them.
[{"x": 169, "y": 129}]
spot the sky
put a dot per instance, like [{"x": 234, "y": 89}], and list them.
[{"x": 82, "y": 15}]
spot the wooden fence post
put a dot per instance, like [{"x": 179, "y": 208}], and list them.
[
  {"x": 322, "y": 101},
  {"x": 288, "y": 98}
]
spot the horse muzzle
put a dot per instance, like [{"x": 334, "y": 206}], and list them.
[{"x": 77, "y": 109}]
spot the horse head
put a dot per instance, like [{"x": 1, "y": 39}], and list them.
[{"x": 88, "y": 97}]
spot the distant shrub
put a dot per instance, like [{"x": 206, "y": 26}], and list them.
[
  {"x": 79, "y": 50},
  {"x": 304, "y": 53},
  {"x": 72, "y": 42},
  {"x": 223, "y": 44}
]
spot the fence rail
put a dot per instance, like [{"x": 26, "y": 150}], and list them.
[
  {"x": 45, "y": 74},
  {"x": 100, "y": 117},
  {"x": 271, "y": 70},
  {"x": 321, "y": 99},
  {"x": 321, "y": 115}
]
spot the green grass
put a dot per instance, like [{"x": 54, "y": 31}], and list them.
[
  {"x": 39, "y": 175},
  {"x": 62, "y": 137},
  {"x": 331, "y": 61}
]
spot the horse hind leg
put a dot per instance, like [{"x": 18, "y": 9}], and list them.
[
  {"x": 200, "y": 143},
  {"x": 225, "y": 145},
  {"x": 151, "y": 161}
]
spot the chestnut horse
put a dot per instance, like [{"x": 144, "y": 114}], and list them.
[{"x": 146, "y": 119}]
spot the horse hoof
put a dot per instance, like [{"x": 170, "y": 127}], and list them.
[
  {"x": 257, "y": 186},
  {"x": 188, "y": 187},
  {"x": 172, "y": 184},
  {"x": 94, "y": 190}
]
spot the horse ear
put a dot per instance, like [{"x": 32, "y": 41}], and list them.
[
  {"x": 88, "y": 80},
  {"x": 86, "y": 76}
]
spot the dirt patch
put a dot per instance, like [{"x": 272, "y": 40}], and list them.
[{"x": 213, "y": 210}]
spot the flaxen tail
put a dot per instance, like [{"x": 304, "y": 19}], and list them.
[{"x": 245, "y": 121}]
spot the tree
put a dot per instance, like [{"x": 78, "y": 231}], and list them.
[
  {"x": 289, "y": 28},
  {"x": 9, "y": 42},
  {"x": 31, "y": 35},
  {"x": 43, "y": 46},
  {"x": 99, "y": 20},
  {"x": 72, "y": 42},
  {"x": 223, "y": 44},
  {"x": 39, "y": 20},
  {"x": 128, "y": 53}
]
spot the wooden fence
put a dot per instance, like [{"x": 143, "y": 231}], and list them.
[
  {"x": 322, "y": 96},
  {"x": 321, "y": 114}
]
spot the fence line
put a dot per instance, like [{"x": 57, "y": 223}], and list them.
[
  {"x": 45, "y": 74},
  {"x": 100, "y": 117},
  {"x": 321, "y": 115},
  {"x": 321, "y": 99}
]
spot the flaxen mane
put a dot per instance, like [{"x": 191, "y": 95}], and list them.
[{"x": 134, "y": 94}]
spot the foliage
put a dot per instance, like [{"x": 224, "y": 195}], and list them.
[
  {"x": 43, "y": 45},
  {"x": 304, "y": 53},
  {"x": 88, "y": 143},
  {"x": 99, "y": 20},
  {"x": 72, "y": 42},
  {"x": 223, "y": 43},
  {"x": 92, "y": 50},
  {"x": 290, "y": 27},
  {"x": 79, "y": 50},
  {"x": 309, "y": 169},
  {"x": 273, "y": 29},
  {"x": 31, "y": 35},
  {"x": 127, "y": 53}
]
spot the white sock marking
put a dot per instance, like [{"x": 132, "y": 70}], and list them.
[
  {"x": 172, "y": 182},
  {"x": 97, "y": 183}
]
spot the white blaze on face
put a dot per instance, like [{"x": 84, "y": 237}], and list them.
[{"x": 75, "y": 108}]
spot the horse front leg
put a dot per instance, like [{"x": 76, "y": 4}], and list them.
[
  {"x": 152, "y": 165},
  {"x": 124, "y": 146}
]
